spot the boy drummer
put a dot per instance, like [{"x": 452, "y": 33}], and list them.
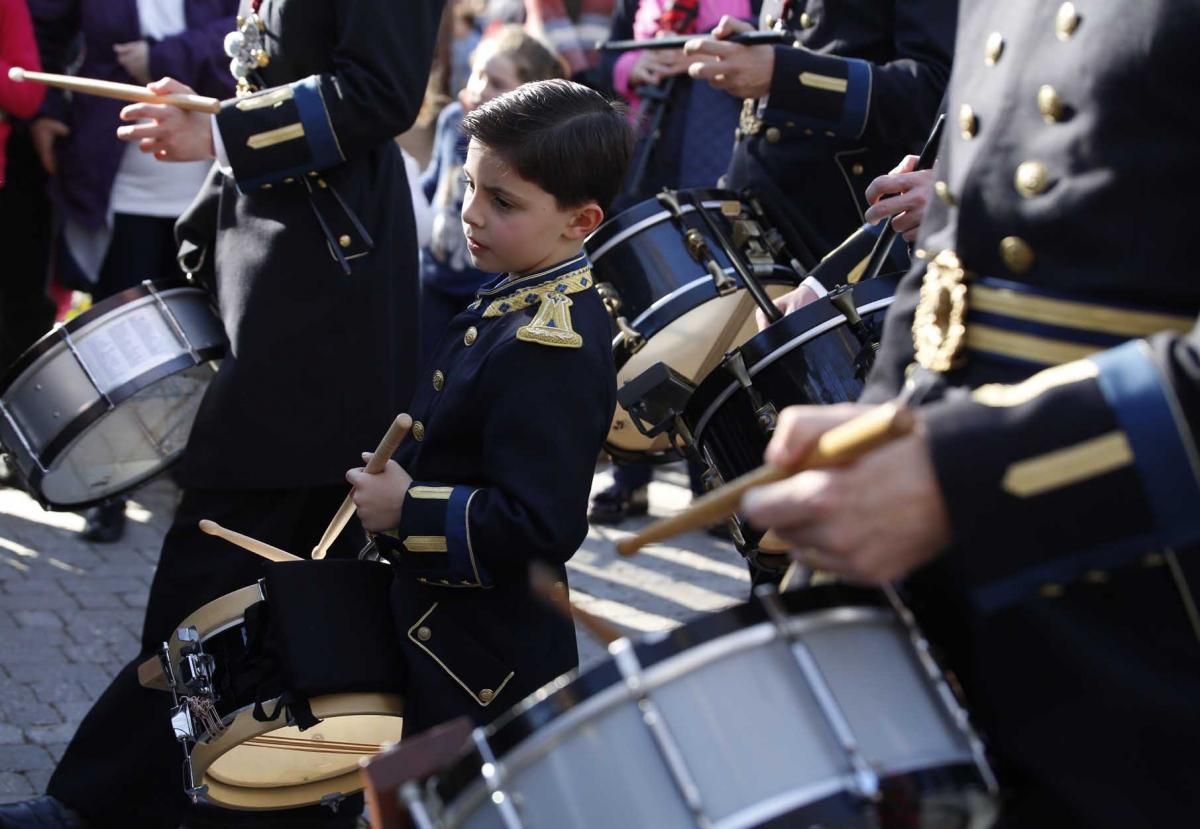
[{"x": 518, "y": 396}]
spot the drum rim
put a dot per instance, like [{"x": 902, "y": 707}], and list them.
[
  {"x": 716, "y": 388},
  {"x": 147, "y": 287},
  {"x": 572, "y": 690},
  {"x": 614, "y": 227},
  {"x": 80, "y": 422}
]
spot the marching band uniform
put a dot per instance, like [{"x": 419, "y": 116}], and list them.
[
  {"x": 509, "y": 420},
  {"x": 304, "y": 231},
  {"x": 862, "y": 92},
  {"x": 1065, "y": 447}
]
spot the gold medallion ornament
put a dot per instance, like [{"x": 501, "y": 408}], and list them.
[
  {"x": 551, "y": 325},
  {"x": 939, "y": 324}
]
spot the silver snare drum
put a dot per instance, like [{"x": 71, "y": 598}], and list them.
[
  {"x": 106, "y": 401},
  {"x": 814, "y": 708}
]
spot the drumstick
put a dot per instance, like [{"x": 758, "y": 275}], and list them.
[
  {"x": 120, "y": 91},
  {"x": 259, "y": 548},
  {"x": 395, "y": 433},
  {"x": 549, "y": 589},
  {"x": 839, "y": 445}
]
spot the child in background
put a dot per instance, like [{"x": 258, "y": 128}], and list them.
[
  {"x": 519, "y": 394},
  {"x": 502, "y": 62}
]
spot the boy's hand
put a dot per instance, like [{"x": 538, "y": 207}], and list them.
[{"x": 379, "y": 498}]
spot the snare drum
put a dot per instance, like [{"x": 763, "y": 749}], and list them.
[
  {"x": 811, "y": 356},
  {"x": 666, "y": 306},
  {"x": 283, "y": 687},
  {"x": 106, "y": 401},
  {"x": 812, "y": 708}
]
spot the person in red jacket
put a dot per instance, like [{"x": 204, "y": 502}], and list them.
[{"x": 17, "y": 48}]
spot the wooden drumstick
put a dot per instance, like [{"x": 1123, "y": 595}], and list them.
[
  {"x": 120, "y": 91},
  {"x": 383, "y": 453},
  {"x": 259, "y": 548},
  {"x": 840, "y": 445},
  {"x": 553, "y": 592}
]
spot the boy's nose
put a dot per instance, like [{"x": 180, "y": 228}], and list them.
[{"x": 469, "y": 213}]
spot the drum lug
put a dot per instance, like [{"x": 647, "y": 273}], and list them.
[
  {"x": 767, "y": 416},
  {"x": 611, "y": 297},
  {"x": 629, "y": 335}
]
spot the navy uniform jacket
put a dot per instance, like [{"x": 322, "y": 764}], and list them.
[
  {"x": 311, "y": 245},
  {"x": 1065, "y": 444},
  {"x": 862, "y": 92},
  {"x": 510, "y": 414}
]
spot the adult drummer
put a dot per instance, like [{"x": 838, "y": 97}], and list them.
[
  {"x": 859, "y": 89},
  {"x": 1045, "y": 514},
  {"x": 305, "y": 231}
]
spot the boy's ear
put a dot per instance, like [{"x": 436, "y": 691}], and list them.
[{"x": 585, "y": 218}]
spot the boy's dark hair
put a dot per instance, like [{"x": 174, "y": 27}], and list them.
[{"x": 567, "y": 139}]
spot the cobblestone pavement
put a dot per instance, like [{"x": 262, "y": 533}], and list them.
[{"x": 71, "y": 612}]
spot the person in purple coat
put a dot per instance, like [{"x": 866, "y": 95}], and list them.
[{"x": 115, "y": 206}]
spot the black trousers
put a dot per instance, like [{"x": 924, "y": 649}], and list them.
[
  {"x": 142, "y": 247},
  {"x": 26, "y": 310},
  {"x": 124, "y": 767}
]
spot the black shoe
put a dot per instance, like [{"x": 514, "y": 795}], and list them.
[
  {"x": 43, "y": 812},
  {"x": 613, "y": 505},
  {"x": 105, "y": 523}
]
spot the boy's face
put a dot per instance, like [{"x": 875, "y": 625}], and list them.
[
  {"x": 491, "y": 75},
  {"x": 513, "y": 225}
]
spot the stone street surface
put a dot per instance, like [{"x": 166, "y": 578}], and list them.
[{"x": 71, "y": 612}]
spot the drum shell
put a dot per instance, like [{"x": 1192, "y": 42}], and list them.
[
  {"x": 641, "y": 262},
  {"x": 809, "y": 357},
  {"x": 65, "y": 384},
  {"x": 753, "y": 760}
]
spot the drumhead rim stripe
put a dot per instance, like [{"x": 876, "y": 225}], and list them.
[
  {"x": 833, "y": 321},
  {"x": 642, "y": 224},
  {"x": 164, "y": 287},
  {"x": 80, "y": 422}
]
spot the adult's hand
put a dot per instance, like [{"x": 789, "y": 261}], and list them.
[
  {"x": 910, "y": 190},
  {"x": 43, "y": 132},
  {"x": 742, "y": 71},
  {"x": 134, "y": 57},
  {"x": 873, "y": 521},
  {"x": 171, "y": 133},
  {"x": 654, "y": 65},
  {"x": 789, "y": 302}
]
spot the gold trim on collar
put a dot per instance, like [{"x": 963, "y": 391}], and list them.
[
  {"x": 520, "y": 298},
  {"x": 1070, "y": 465},
  {"x": 432, "y": 493},
  {"x": 1026, "y": 347},
  {"x": 826, "y": 83},
  {"x": 262, "y": 140},
  {"x": 266, "y": 100},
  {"x": 1082, "y": 315}
]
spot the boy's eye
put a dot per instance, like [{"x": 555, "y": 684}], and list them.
[
  {"x": 502, "y": 203},
  {"x": 470, "y": 185}
]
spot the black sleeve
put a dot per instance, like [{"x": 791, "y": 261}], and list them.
[
  {"x": 889, "y": 102},
  {"x": 380, "y": 62},
  {"x": 1074, "y": 470}
]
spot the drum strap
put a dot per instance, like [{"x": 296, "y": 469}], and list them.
[{"x": 260, "y": 672}]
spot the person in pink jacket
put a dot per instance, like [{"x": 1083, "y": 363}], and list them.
[{"x": 17, "y": 48}]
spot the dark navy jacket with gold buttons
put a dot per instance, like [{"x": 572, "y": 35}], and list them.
[
  {"x": 862, "y": 92},
  {"x": 309, "y": 242},
  {"x": 1060, "y": 283},
  {"x": 510, "y": 416}
]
